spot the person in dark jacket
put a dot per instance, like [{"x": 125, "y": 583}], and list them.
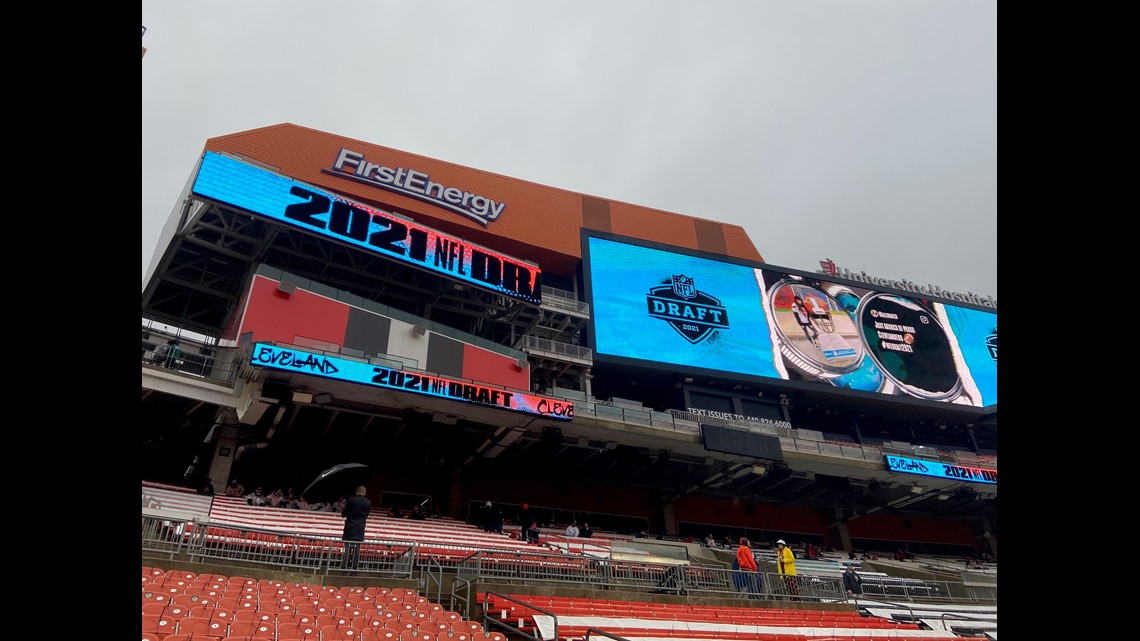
[
  {"x": 493, "y": 518},
  {"x": 355, "y": 515},
  {"x": 852, "y": 582},
  {"x": 528, "y": 525}
]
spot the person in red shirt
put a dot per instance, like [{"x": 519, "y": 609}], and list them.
[{"x": 749, "y": 571}]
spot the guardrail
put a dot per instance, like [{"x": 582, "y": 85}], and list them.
[{"x": 201, "y": 540}]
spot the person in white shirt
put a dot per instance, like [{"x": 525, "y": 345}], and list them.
[{"x": 572, "y": 529}]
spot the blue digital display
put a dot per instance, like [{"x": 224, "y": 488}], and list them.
[
  {"x": 667, "y": 307},
  {"x": 342, "y": 369},
  {"x": 264, "y": 193},
  {"x": 715, "y": 322},
  {"x": 938, "y": 469}
]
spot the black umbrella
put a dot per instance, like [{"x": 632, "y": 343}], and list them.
[{"x": 337, "y": 481}]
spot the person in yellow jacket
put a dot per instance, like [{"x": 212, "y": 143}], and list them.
[{"x": 786, "y": 564}]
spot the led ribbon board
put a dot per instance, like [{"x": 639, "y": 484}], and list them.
[
  {"x": 342, "y": 369},
  {"x": 938, "y": 469},
  {"x": 264, "y": 193}
]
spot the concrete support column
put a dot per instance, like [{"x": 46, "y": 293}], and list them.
[{"x": 837, "y": 534}]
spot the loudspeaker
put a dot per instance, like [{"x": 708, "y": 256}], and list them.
[
  {"x": 521, "y": 363},
  {"x": 419, "y": 330},
  {"x": 287, "y": 288}
]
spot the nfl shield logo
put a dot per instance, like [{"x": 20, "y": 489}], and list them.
[{"x": 683, "y": 286}]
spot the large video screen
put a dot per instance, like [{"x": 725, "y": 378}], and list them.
[
  {"x": 322, "y": 213},
  {"x": 666, "y": 307}
]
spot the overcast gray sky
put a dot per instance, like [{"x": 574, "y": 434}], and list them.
[{"x": 861, "y": 131}]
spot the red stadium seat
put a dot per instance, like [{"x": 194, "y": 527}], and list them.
[
  {"x": 222, "y": 617},
  {"x": 297, "y": 632},
  {"x": 202, "y": 625},
  {"x": 254, "y": 628},
  {"x": 153, "y": 607},
  {"x": 343, "y": 634},
  {"x": 158, "y": 625}
]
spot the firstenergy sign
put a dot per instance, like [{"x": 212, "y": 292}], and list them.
[{"x": 409, "y": 182}]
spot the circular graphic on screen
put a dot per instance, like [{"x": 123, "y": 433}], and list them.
[
  {"x": 910, "y": 346},
  {"x": 817, "y": 336}
]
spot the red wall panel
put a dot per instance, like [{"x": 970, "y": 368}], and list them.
[
  {"x": 275, "y": 316},
  {"x": 885, "y": 527},
  {"x": 496, "y": 369},
  {"x": 721, "y": 511}
]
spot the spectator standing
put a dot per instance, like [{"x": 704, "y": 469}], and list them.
[
  {"x": 748, "y": 570},
  {"x": 173, "y": 352},
  {"x": 495, "y": 519},
  {"x": 710, "y": 541},
  {"x": 355, "y": 513},
  {"x": 528, "y": 525},
  {"x": 483, "y": 515},
  {"x": 852, "y": 582},
  {"x": 159, "y": 355},
  {"x": 572, "y": 529},
  {"x": 786, "y": 564}
]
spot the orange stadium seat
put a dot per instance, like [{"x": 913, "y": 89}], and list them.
[
  {"x": 158, "y": 625},
  {"x": 179, "y": 611},
  {"x": 346, "y": 634},
  {"x": 349, "y": 611},
  {"x": 247, "y": 637},
  {"x": 297, "y": 632},
  {"x": 301, "y": 619},
  {"x": 222, "y": 617},
  {"x": 201, "y": 625},
  {"x": 386, "y": 635},
  {"x": 194, "y": 600},
  {"x": 253, "y": 628}
]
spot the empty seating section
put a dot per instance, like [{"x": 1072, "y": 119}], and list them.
[
  {"x": 572, "y": 617},
  {"x": 235, "y": 510},
  {"x": 234, "y": 529},
  {"x": 217, "y": 608}
]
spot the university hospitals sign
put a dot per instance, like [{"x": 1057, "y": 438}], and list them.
[{"x": 831, "y": 269}]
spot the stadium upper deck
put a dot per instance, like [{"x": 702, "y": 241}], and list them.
[{"x": 371, "y": 302}]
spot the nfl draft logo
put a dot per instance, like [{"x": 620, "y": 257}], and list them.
[{"x": 692, "y": 313}]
